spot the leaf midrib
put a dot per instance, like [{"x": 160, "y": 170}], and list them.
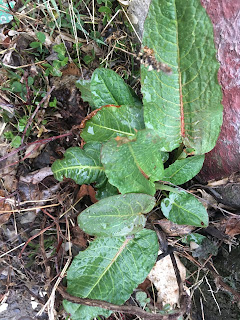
[
  {"x": 126, "y": 241},
  {"x": 79, "y": 167},
  {"x": 111, "y": 129},
  {"x": 182, "y": 124}
]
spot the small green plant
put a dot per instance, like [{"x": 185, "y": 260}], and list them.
[
  {"x": 39, "y": 45},
  {"x": 54, "y": 68},
  {"x": 134, "y": 148}
]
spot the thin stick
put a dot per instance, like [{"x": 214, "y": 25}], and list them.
[
  {"x": 113, "y": 307},
  {"x": 23, "y": 66},
  {"x": 30, "y": 209},
  {"x": 4, "y": 254},
  {"x": 212, "y": 293},
  {"x": 42, "y": 141}
]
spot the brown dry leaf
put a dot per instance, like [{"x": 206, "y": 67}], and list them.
[
  {"x": 72, "y": 70},
  {"x": 8, "y": 169},
  {"x": 207, "y": 200},
  {"x": 233, "y": 226},
  {"x": 33, "y": 151},
  {"x": 86, "y": 190},
  {"x": 80, "y": 238},
  {"x": 37, "y": 176},
  {"x": 87, "y": 48},
  {"x": 173, "y": 229},
  {"x": 4, "y": 206}
]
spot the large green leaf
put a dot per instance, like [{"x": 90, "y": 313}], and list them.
[
  {"x": 116, "y": 216},
  {"x": 112, "y": 121},
  {"x": 184, "y": 208},
  {"x": 185, "y": 106},
  {"x": 108, "y": 87},
  {"x": 110, "y": 269},
  {"x": 81, "y": 165},
  {"x": 133, "y": 164},
  {"x": 183, "y": 170}
]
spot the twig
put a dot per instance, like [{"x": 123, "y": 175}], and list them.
[
  {"x": 25, "y": 65},
  {"x": 217, "y": 278},
  {"x": 29, "y": 209},
  {"x": 113, "y": 307},
  {"x": 42, "y": 141}
]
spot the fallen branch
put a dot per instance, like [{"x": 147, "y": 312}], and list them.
[{"x": 113, "y": 307}]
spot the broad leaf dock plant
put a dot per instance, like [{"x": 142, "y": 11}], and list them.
[{"x": 127, "y": 147}]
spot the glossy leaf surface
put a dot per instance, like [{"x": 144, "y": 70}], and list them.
[
  {"x": 81, "y": 165},
  {"x": 186, "y": 105},
  {"x": 116, "y": 216},
  {"x": 108, "y": 87},
  {"x": 112, "y": 121},
  {"x": 95, "y": 272},
  {"x": 184, "y": 208},
  {"x": 133, "y": 164},
  {"x": 183, "y": 170}
]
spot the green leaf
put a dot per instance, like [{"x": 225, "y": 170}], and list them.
[
  {"x": 81, "y": 165},
  {"x": 16, "y": 142},
  {"x": 184, "y": 208},
  {"x": 17, "y": 86},
  {"x": 35, "y": 44},
  {"x": 195, "y": 237},
  {"x": 186, "y": 105},
  {"x": 106, "y": 190},
  {"x": 108, "y": 87},
  {"x": 22, "y": 123},
  {"x": 183, "y": 170},
  {"x": 95, "y": 272},
  {"x": 142, "y": 298},
  {"x": 112, "y": 121},
  {"x": 133, "y": 164},
  {"x": 116, "y": 216},
  {"x": 86, "y": 94},
  {"x": 80, "y": 312},
  {"x": 41, "y": 37},
  {"x": 105, "y": 10},
  {"x": 60, "y": 49}
]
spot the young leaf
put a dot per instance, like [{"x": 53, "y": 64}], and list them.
[
  {"x": 184, "y": 208},
  {"x": 186, "y": 105},
  {"x": 95, "y": 272},
  {"x": 86, "y": 94},
  {"x": 81, "y": 165},
  {"x": 133, "y": 164},
  {"x": 112, "y": 121},
  {"x": 108, "y": 87},
  {"x": 116, "y": 216},
  {"x": 195, "y": 237},
  {"x": 183, "y": 170},
  {"x": 41, "y": 37}
]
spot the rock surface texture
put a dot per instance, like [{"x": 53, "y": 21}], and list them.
[{"x": 224, "y": 159}]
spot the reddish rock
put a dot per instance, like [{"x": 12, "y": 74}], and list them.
[{"x": 224, "y": 159}]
